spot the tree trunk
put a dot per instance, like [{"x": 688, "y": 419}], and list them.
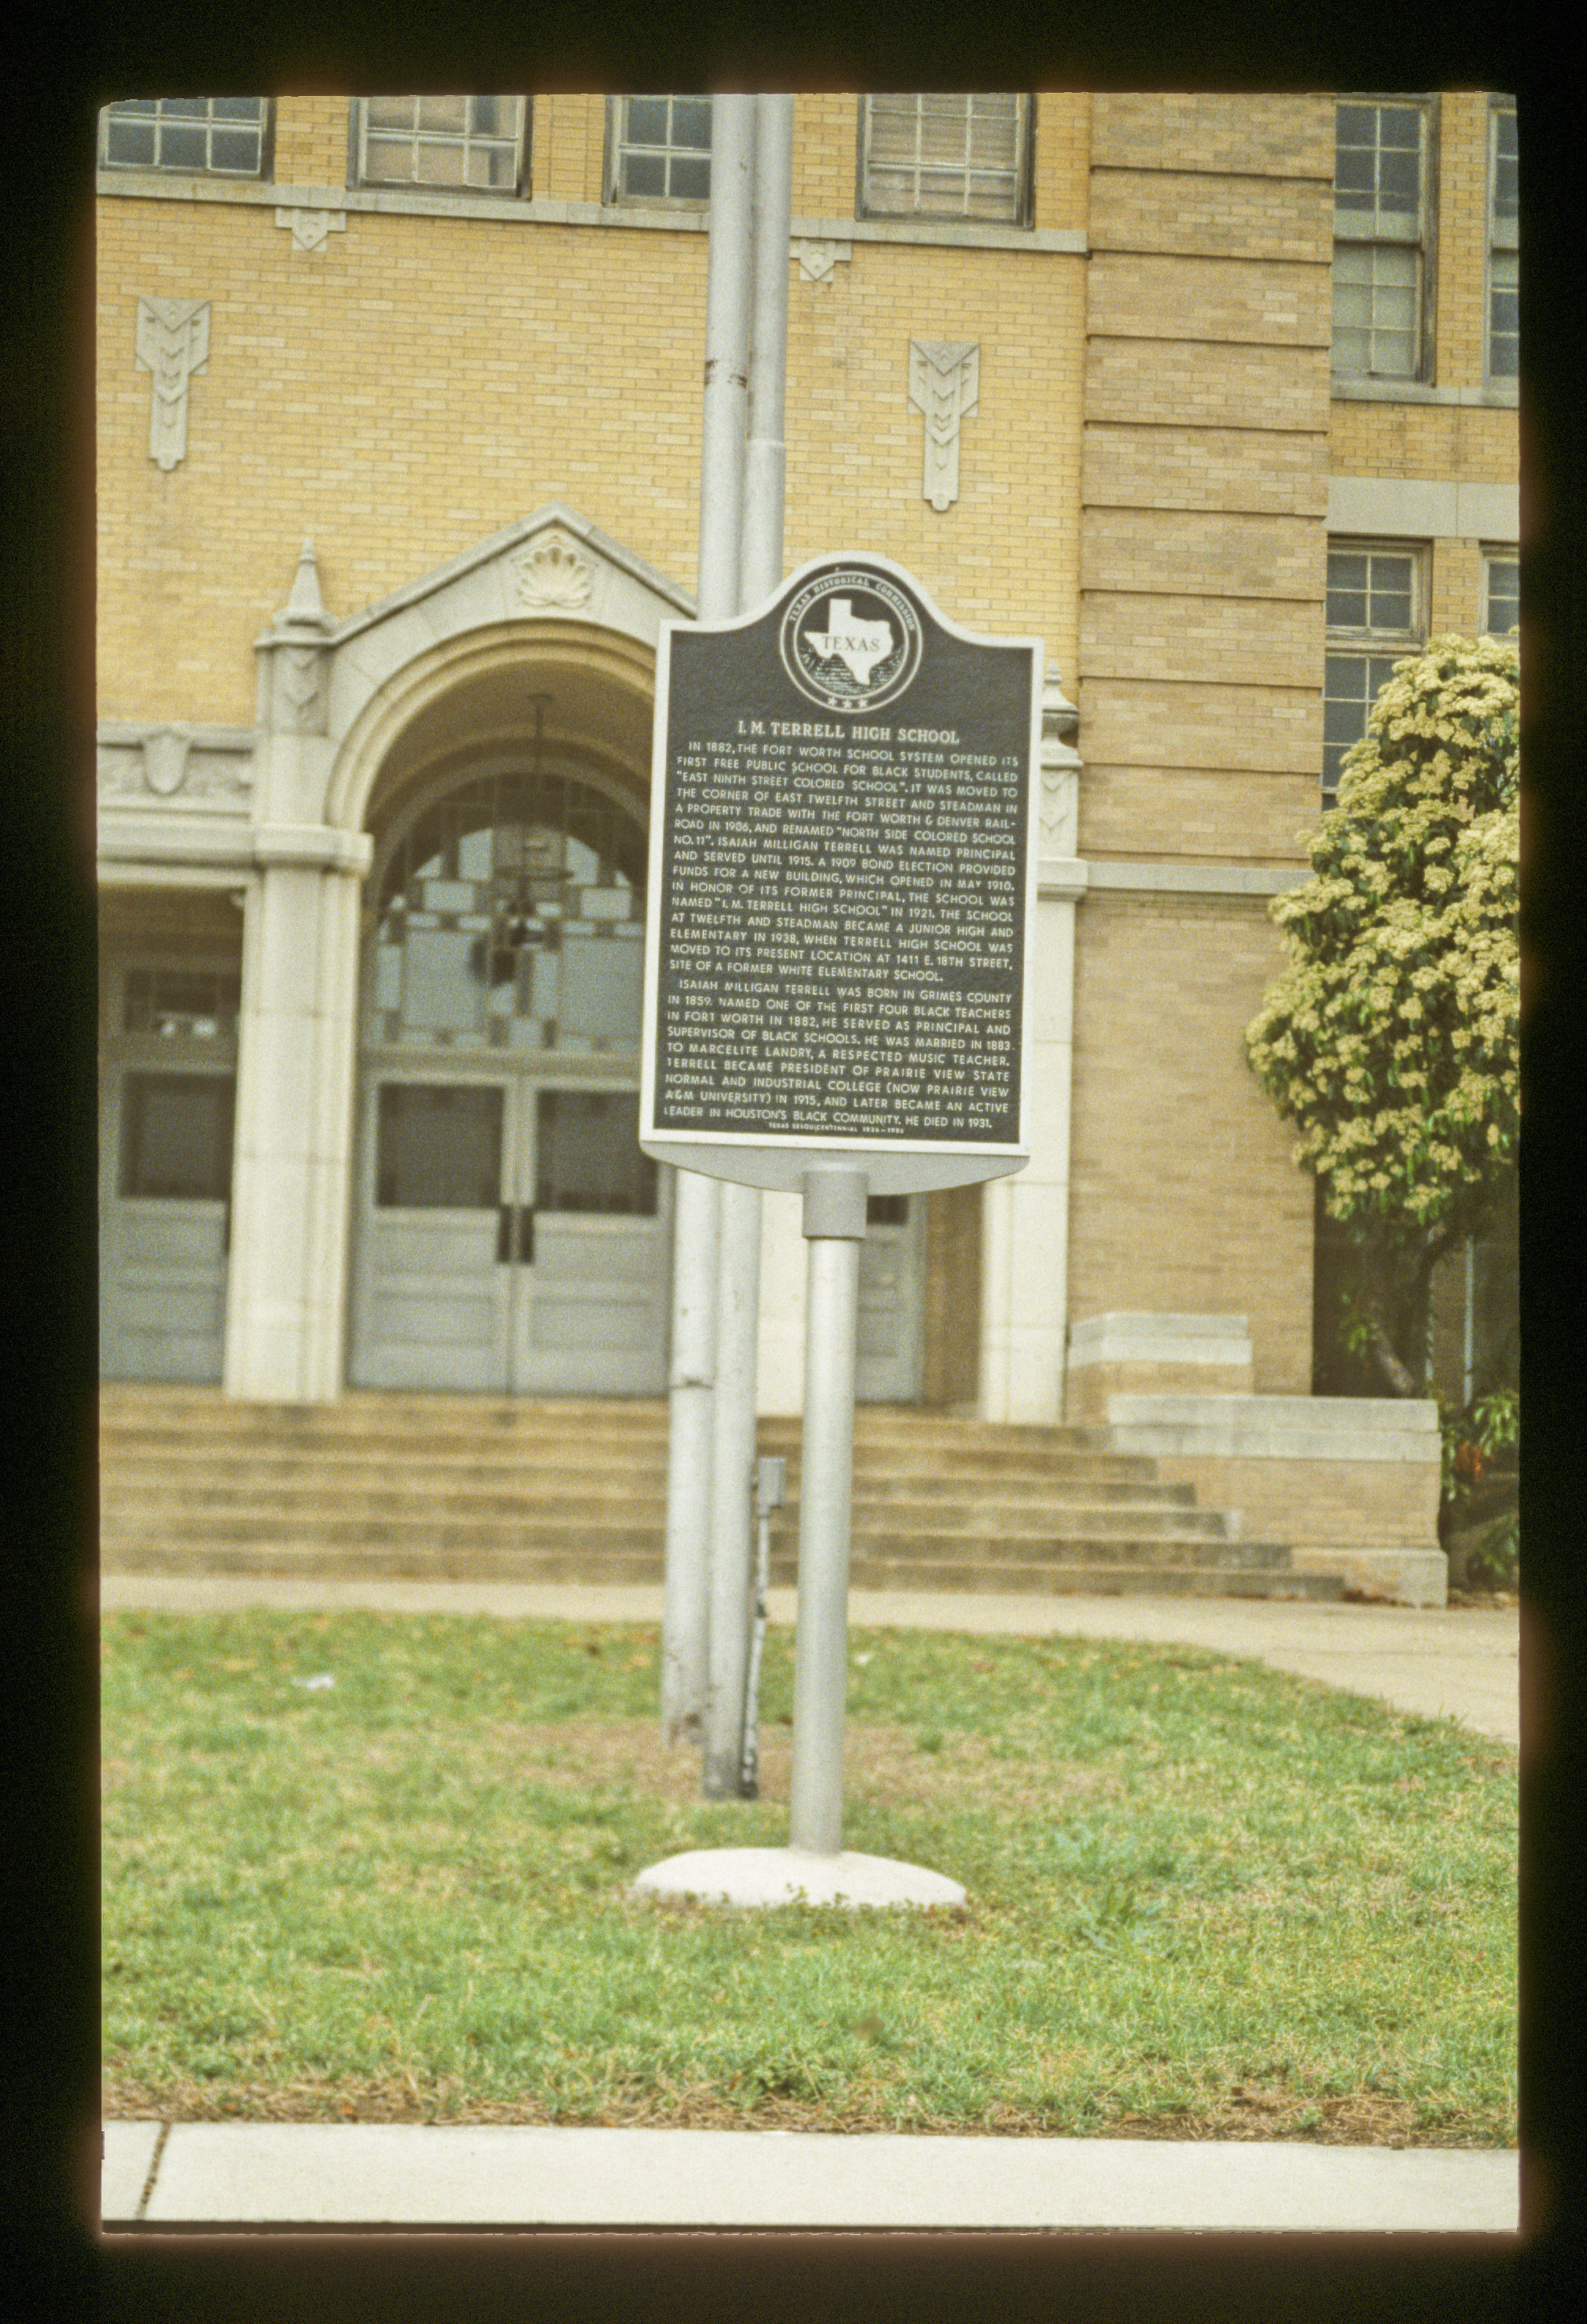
[{"x": 1385, "y": 1355}]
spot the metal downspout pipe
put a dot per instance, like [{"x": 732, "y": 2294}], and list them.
[{"x": 738, "y": 1279}]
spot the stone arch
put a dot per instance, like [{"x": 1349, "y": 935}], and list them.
[
  {"x": 472, "y": 693},
  {"x": 550, "y": 603}
]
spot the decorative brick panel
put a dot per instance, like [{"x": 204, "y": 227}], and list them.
[
  {"x": 1223, "y": 469},
  {"x": 1176, "y": 1153},
  {"x": 1257, "y": 728},
  {"x": 1214, "y": 639},
  {"x": 1271, "y": 136},
  {"x": 1204, "y": 216},
  {"x": 1210, "y": 815},
  {"x": 1207, "y": 384},
  {"x": 1254, "y": 302},
  {"x": 1204, "y": 551}
]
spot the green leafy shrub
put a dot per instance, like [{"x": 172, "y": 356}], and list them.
[{"x": 1390, "y": 1040}]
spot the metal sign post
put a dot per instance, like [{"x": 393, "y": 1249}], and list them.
[
  {"x": 692, "y": 1370},
  {"x": 842, "y": 918}
]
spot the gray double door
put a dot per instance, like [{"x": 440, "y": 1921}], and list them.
[
  {"x": 512, "y": 1240},
  {"x": 164, "y": 1223}
]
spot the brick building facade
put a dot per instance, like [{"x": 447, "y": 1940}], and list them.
[{"x": 1243, "y": 426}]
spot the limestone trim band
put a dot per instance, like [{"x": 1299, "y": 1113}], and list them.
[
  {"x": 172, "y": 846},
  {"x": 162, "y": 186},
  {"x": 1065, "y": 878}
]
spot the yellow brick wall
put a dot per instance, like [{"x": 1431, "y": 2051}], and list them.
[
  {"x": 1200, "y": 665},
  {"x": 1467, "y": 442},
  {"x": 1277, "y": 136},
  {"x": 400, "y": 395},
  {"x": 1463, "y": 236},
  {"x": 568, "y": 148},
  {"x": 1004, "y": 557},
  {"x": 1204, "y": 479},
  {"x": 1474, "y": 443},
  {"x": 1183, "y": 1197},
  {"x": 827, "y": 128},
  {"x": 1062, "y": 175},
  {"x": 1457, "y": 588},
  {"x": 422, "y": 381},
  {"x": 311, "y": 141},
  {"x": 1206, "y": 814}
]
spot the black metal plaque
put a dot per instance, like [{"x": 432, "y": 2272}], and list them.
[{"x": 839, "y": 873}]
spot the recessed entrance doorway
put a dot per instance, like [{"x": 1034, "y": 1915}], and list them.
[
  {"x": 514, "y": 1241},
  {"x": 512, "y": 1238},
  {"x": 170, "y": 982}
]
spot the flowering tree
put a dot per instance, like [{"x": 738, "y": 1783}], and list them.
[{"x": 1390, "y": 1040}]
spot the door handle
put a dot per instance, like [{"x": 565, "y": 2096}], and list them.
[{"x": 515, "y": 1234}]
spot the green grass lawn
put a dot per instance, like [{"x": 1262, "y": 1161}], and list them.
[{"x": 1206, "y": 1899}]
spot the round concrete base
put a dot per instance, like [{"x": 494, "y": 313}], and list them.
[{"x": 791, "y": 1875}]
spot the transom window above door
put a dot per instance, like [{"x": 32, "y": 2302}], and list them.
[
  {"x": 476, "y": 145},
  {"x": 511, "y": 917}
]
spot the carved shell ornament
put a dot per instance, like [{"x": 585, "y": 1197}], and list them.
[
  {"x": 165, "y": 761},
  {"x": 552, "y": 573}
]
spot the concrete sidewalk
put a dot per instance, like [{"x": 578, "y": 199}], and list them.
[
  {"x": 1456, "y": 1663},
  {"x": 402, "y": 2174}
]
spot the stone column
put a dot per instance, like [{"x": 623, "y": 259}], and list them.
[
  {"x": 297, "y": 1042},
  {"x": 297, "y": 1048},
  {"x": 1025, "y": 1220}
]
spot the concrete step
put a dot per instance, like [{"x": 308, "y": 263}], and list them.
[
  {"x": 573, "y": 1495},
  {"x": 1104, "y": 1578},
  {"x": 1098, "y": 1581},
  {"x": 192, "y": 1412},
  {"x": 617, "y": 1531},
  {"x": 878, "y": 1470},
  {"x": 572, "y": 1489}
]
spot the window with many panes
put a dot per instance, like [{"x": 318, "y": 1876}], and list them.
[
  {"x": 1382, "y": 177},
  {"x": 478, "y": 144},
  {"x": 1376, "y": 616},
  {"x": 660, "y": 149},
  {"x": 1504, "y": 220},
  {"x": 945, "y": 156},
  {"x": 1501, "y": 593},
  {"x": 224, "y": 136}
]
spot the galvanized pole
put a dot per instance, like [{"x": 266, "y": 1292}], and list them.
[
  {"x": 835, "y": 1226},
  {"x": 764, "y": 455},
  {"x": 733, "y": 1462},
  {"x": 686, "y": 1602},
  {"x": 738, "y": 1307}
]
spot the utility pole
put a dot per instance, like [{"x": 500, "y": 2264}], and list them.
[
  {"x": 692, "y": 1373},
  {"x": 738, "y": 1281}
]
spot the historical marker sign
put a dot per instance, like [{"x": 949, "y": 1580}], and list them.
[{"x": 841, "y": 888}]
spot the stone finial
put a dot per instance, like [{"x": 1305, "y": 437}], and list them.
[
  {"x": 1060, "y": 768},
  {"x": 305, "y": 602},
  {"x": 298, "y": 640},
  {"x": 1059, "y": 716}
]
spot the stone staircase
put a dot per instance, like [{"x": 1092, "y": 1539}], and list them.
[{"x": 551, "y": 1489}]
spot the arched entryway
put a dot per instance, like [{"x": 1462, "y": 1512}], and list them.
[{"x": 509, "y": 1235}]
